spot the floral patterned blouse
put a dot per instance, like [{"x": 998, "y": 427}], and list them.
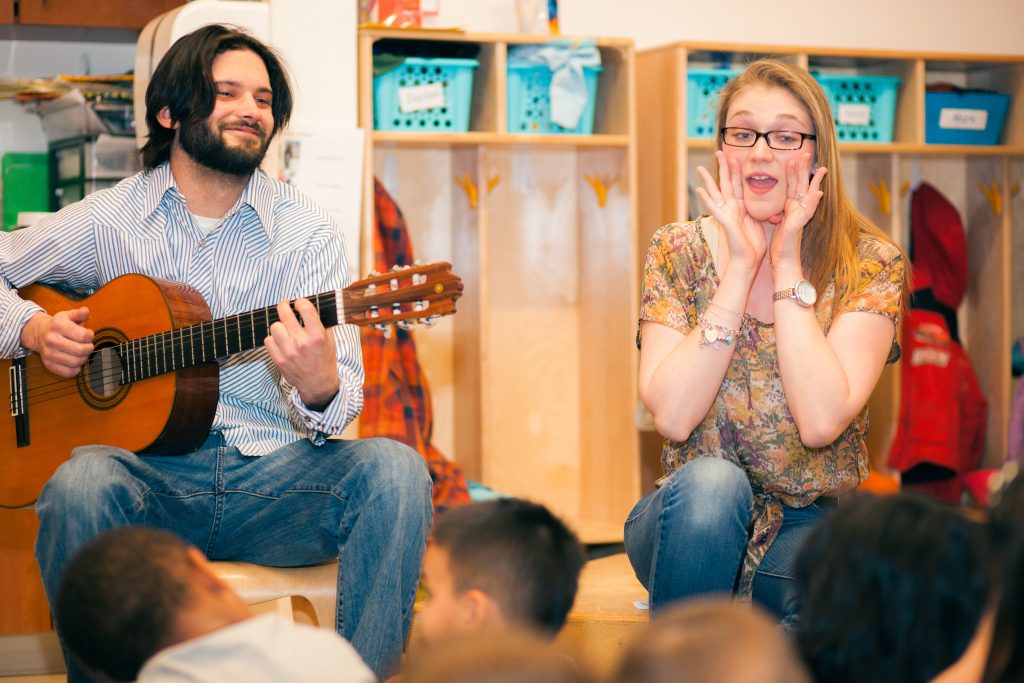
[{"x": 750, "y": 423}]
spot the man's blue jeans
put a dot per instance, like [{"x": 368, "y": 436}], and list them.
[
  {"x": 689, "y": 538},
  {"x": 365, "y": 502}
]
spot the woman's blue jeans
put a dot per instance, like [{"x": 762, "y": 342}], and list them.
[
  {"x": 689, "y": 538},
  {"x": 365, "y": 502}
]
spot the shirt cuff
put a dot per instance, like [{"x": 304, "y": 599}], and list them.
[
  {"x": 330, "y": 421},
  {"x": 16, "y": 317}
]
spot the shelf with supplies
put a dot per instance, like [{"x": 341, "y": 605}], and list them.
[
  {"x": 981, "y": 180},
  {"x": 534, "y": 379}
]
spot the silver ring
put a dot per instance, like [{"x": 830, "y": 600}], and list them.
[
  {"x": 720, "y": 204},
  {"x": 803, "y": 205},
  {"x": 800, "y": 198}
]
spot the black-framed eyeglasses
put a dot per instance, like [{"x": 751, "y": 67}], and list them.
[{"x": 777, "y": 139}]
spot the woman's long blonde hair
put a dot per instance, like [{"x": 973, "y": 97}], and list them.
[{"x": 829, "y": 243}]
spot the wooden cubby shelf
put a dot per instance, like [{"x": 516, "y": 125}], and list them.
[{"x": 534, "y": 379}]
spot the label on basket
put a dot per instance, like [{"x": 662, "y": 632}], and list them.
[
  {"x": 963, "y": 119},
  {"x": 419, "y": 97},
  {"x": 854, "y": 114}
]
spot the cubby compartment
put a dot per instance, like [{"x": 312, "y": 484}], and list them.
[{"x": 534, "y": 379}]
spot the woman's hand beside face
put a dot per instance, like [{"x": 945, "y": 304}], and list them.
[
  {"x": 803, "y": 194},
  {"x": 744, "y": 235}
]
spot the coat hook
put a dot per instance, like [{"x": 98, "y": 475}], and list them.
[
  {"x": 1015, "y": 189},
  {"x": 492, "y": 182},
  {"x": 600, "y": 186},
  {"x": 881, "y": 192},
  {"x": 994, "y": 196},
  {"x": 904, "y": 188},
  {"x": 470, "y": 189}
]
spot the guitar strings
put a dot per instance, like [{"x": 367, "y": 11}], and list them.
[{"x": 156, "y": 348}]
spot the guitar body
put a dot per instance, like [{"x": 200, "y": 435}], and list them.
[
  {"x": 168, "y": 413},
  {"x": 151, "y": 384}
]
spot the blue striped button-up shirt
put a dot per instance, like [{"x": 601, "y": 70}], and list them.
[{"x": 274, "y": 244}]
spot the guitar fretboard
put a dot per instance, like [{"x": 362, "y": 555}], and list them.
[{"x": 207, "y": 342}]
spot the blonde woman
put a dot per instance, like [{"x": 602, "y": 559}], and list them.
[{"x": 764, "y": 327}]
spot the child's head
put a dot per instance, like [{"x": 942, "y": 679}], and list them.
[
  {"x": 498, "y": 563},
  {"x": 511, "y": 656},
  {"x": 890, "y": 588},
  {"x": 133, "y": 591},
  {"x": 711, "y": 640}
]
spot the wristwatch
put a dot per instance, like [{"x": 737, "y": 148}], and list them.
[{"x": 803, "y": 292}]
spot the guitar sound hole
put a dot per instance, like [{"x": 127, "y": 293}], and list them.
[{"x": 103, "y": 372}]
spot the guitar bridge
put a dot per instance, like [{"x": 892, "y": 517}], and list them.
[{"x": 19, "y": 401}]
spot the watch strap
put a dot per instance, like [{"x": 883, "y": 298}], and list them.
[{"x": 784, "y": 294}]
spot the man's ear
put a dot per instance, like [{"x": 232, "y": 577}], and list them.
[
  {"x": 163, "y": 117},
  {"x": 481, "y": 609}
]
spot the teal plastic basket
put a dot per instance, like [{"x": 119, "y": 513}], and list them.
[
  {"x": 419, "y": 75},
  {"x": 863, "y": 106},
  {"x": 529, "y": 100},
  {"x": 702, "y": 86}
]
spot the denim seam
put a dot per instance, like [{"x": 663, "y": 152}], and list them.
[{"x": 218, "y": 505}]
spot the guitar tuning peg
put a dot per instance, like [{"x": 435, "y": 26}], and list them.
[
  {"x": 426, "y": 322},
  {"x": 373, "y": 273},
  {"x": 417, "y": 263},
  {"x": 404, "y": 324}
]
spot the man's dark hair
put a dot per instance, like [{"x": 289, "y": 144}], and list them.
[
  {"x": 119, "y": 596},
  {"x": 518, "y": 553},
  {"x": 183, "y": 82},
  {"x": 891, "y": 588}
]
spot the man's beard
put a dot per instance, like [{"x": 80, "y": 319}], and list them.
[{"x": 209, "y": 149}]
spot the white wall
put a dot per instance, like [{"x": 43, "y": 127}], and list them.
[
  {"x": 984, "y": 26},
  {"x": 21, "y": 131}
]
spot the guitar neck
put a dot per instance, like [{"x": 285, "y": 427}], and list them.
[
  {"x": 208, "y": 342},
  {"x": 403, "y": 296}
]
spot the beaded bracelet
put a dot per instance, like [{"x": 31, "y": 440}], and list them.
[{"x": 714, "y": 334}]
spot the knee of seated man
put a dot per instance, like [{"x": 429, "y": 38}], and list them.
[
  {"x": 389, "y": 465},
  {"x": 83, "y": 482}
]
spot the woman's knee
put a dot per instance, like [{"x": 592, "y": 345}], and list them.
[{"x": 710, "y": 491}]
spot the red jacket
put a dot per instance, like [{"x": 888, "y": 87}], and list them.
[{"x": 942, "y": 410}]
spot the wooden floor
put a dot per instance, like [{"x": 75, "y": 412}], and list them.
[{"x": 605, "y": 616}]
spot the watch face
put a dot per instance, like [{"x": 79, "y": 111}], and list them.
[{"x": 805, "y": 293}]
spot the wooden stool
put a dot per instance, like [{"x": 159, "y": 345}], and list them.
[{"x": 305, "y": 594}]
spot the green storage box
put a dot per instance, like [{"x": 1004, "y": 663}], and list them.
[{"x": 26, "y": 179}]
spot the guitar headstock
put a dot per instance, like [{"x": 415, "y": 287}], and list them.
[{"x": 403, "y": 296}]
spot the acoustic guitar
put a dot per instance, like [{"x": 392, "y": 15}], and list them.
[{"x": 151, "y": 384}]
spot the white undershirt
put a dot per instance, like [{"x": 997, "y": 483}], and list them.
[{"x": 206, "y": 225}]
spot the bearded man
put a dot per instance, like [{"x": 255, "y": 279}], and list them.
[{"x": 266, "y": 486}]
